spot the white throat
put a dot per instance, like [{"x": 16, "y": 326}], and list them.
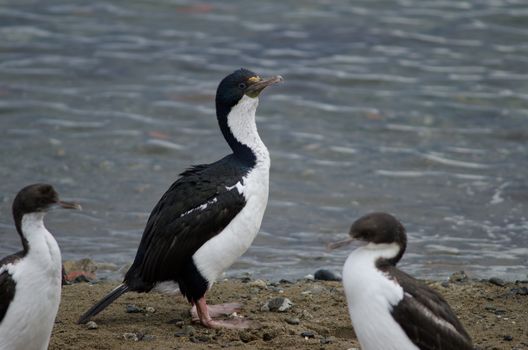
[
  {"x": 382, "y": 250},
  {"x": 42, "y": 246},
  {"x": 241, "y": 122}
]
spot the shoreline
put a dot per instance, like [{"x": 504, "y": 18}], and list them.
[{"x": 495, "y": 315}]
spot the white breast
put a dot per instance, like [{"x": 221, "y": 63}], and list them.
[
  {"x": 370, "y": 297},
  {"x": 29, "y": 320},
  {"x": 220, "y": 252}
]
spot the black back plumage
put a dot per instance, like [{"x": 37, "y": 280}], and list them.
[
  {"x": 7, "y": 284},
  {"x": 426, "y": 317}
]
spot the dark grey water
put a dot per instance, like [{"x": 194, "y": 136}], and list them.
[{"x": 418, "y": 108}]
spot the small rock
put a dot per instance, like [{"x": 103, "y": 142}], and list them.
[
  {"x": 186, "y": 331},
  {"x": 316, "y": 289},
  {"x": 133, "y": 309},
  {"x": 259, "y": 284},
  {"x": 519, "y": 291},
  {"x": 150, "y": 309},
  {"x": 497, "y": 281},
  {"x": 177, "y": 321},
  {"x": 130, "y": 336},
  {"x": 327, "y": 340},
  {"x": 490, "y": 307},
  {"x": 278, "y": 304},
  {"x": 326, "y": 275},
  {"x": 148, "y": 337},
  {"x": 285, "y": 281},
  {"x": 269, "y": 335},
  {"x": 92, "y": 325},
  {"x": 293, "y": 321},
  {"x": 82, "y": 270},
  {"x": 308, "y": 335},
  {"x": 459, "y": 277},
  {"x": 508, "y": 338},
  {"x": 309, "y": 277},
  {"x": 445, "y": 284}
]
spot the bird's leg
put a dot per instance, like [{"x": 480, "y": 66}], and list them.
[{"x": 202, "y": 311}]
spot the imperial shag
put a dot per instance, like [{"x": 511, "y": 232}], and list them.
[
  {"x": 390, "y": 309},
  {"x": 211, "y": 214},
  {"x": 30, "y": 280}
]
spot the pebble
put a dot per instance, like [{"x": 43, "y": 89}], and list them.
[
  {"x": 259, "y": 284},
  {"x": 326, "y": 275},
  {"x": 308, "y": 334},
  {"x": 278, "y": 304},
  {"x": 150, "y": 309},
  {"x": 269, "y": 335},
  {"x": 148, "y": 337},
  {"x": 497, "y": 281},
  {"x": 508, "y": 338},
  {"x": 92, "y": 325},
  {"x": 445, "y": 284},
  {"x": 185, "y": 332},
  {"x": 293, "y": 321},
  {"x": 327, "y": 340},
  {"x": 285, "y": 281},
  {"x": 309, "y": 277},
  {"x": 519, "y": 291},
  {"x": 133, "y": 309},
  {"x": 130, "y": 336},
  {"x": 459, "y": 276}
]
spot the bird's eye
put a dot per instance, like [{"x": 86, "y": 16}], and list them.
[{"x": 242, "y": 85}]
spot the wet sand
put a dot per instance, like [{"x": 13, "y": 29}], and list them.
[{"x": 495, "y": 316}]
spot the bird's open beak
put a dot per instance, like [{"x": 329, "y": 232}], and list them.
[
  {"x": 69, "y": 205},
  {"x": 256, "y": 88}
]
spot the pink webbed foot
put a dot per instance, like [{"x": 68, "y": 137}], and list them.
[
  {"x": 219, "y": 310},
  {"x": 204, "y": 314}
]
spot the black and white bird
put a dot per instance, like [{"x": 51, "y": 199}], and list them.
[
  {"x": 209, "y": 217},
  {"x": 391, "y": 310},
  {"x": 30, "y": 280}
]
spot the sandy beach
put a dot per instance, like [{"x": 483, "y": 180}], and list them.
[{"x": 495, "y": 315}]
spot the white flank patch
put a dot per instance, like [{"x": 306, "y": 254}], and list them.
[
  {"x": 221, "y": 251},
  {"x": 30, "y": 317},
  {"x": 201, "y": 207},
  {"x": 371, "y": 296},
  {"x": 167, "y": 287}
]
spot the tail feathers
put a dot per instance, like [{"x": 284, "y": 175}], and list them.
[{"x": 103, "y": 303}]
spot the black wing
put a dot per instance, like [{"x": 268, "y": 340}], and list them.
[
  {"x": 7, "y": 284},
  {"x": 426, "y": 317},
  {"x": 196, "y": 207}
]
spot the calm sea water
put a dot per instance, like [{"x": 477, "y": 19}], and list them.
[{"x": 418, "y": 108}]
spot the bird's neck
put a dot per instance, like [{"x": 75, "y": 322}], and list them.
[
  {"x": 240, "y": 132},
  {"x": 40, "y": 244},
  {"x": 380, "y": 254}
]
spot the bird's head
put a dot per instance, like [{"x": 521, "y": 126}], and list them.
[{"x": 39, "y": 198}]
